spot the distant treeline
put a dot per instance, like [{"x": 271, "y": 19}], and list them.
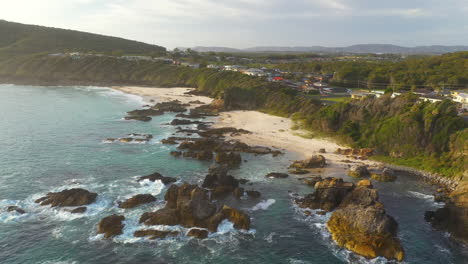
[{"x": 448, "y": 70}]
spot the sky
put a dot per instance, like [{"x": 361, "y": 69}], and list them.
[{"x": 250, "y": 23}]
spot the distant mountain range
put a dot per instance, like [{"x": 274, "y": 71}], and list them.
[{"x": 361, "y": 48}]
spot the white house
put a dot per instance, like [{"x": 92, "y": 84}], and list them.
[{"x": 254, "y": 72}]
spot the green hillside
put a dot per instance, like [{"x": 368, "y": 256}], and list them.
[{"x": 20, "y": 39}]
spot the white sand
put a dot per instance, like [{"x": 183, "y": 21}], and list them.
[
  {"x": 267, "y": 130},
  {"x": 163, "y": 94}
]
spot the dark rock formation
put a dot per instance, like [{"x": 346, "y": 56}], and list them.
[
  {"x": 177, "y": 122},
  {"x": 276, "y": 175},
  {"x": 137, "y": 200},
  {"x": 453, "y": 217},
  {"x": 138, "y": 118},
  {"x": 172, "y": 106},
  {"x": 223, "y": 130},
  {"x": 198, "y": 233},
  {"x": 317, "y": 161},
  {"x": 312, "y": 180},
  {"x": 204, "y": 155},
  {"x": 157, "y": 176},
  {"x": 71, "y": 197},
  {"x": 154, "y": 234},
  {"x": 328, "y": 194},
  {"x": 190, "y": 206},
  {"x": 228, "y": 158},
  {"x": 253, "y": 194},
  {"x": 145, "y": 112},
  {"x": 14, "y": 208},
  {"x": 79, "y": 210},
  {"x": 298, "y": 171},
  {"x": 176, "y": 153},
  {"x": 111, "y": 226},
  {"x": 169, "y": 141}
]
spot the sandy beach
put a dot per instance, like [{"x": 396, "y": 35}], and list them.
[{"x": 267, "y": 130}]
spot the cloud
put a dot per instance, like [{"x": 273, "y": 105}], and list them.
[{"x": 242, "y": 23}]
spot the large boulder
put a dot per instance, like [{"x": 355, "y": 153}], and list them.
[
  {"x": 220, "y": 182},
  {"x": 361, "y": 225},
  {"x": 358, "y": 171},
  {"x": 137, "y": 200},
  {"x": 367, "y": 231},
  {"x": 190, "y": 206},
  {"x": 157, "y": 176},
  {"x": 198, "y": 233},
  {"x": 328, "y": 194},
  {"x": 387, "y": 175},
  {"x": 70, "y": 197},
  {"x": 111, "y": 226},
  {"x": 14, "y": 208},
  {"x": 276, "y": 175},
  {"x": 453, "y": 217},
  {"x": 317, "y": 161}
]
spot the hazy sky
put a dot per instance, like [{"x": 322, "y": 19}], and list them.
[{"x": 246, "y": 23}]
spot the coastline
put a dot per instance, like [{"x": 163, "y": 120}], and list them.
[{"x": 275, "y": 132}]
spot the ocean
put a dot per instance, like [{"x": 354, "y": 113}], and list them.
[{"x": 53, "y": 138}]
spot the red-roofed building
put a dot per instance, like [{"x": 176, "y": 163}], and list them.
[{"x": 278, "y": 79}]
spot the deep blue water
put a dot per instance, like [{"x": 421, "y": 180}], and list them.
[{"x": 52, "y": 139}]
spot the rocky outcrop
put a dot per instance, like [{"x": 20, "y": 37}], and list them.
[
  {"x": 172, "y": 106},
  {"x": 138, "y": 118},
  {"x": 253, "y": 194},
  {"x": 453, "y": 217},
  {"x": 157, "y": 176},
  {"x": 276, "y": 175},
  {"x": 222, "y": 131},
  {"x": 189, "y": 205},
  {"x": 79, "y": 210},
  {"x": 137, "y": 200},
  {"x": 220, "y": 182},
  {"x": 312, "y": 180},
  {"x": 154, "y": 234},
  {"x": 178, "y": 122},
  {"x": 329, "y": 193},
  {"x": 111, "y": 226},
  {"x": 145, "y": 112},
  {"x": 16, "y": 209},
  {"x": 387, "y": 175},
  {"x": 198, "y": 233},
  {"x": 70, "y": 197},
  {"x": 359, "y": 222},
  {"x": 168, "y": 141},
  {"x": 176, "y": 153},
  {"x": 228, "y": 158},
  {"x": 317, "y": 161},
  {"x": 361, "y": 225},
  {"x": 358, "y": 171},
  {"x": 365, "y": 152}
]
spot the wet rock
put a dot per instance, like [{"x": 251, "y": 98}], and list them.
[
  {"x": 198, "y": 233},
  {"x": 111, "y": 226},
  {"x": 453, "y": 217},
  {"x": 189, "y": 205},
  {"x": 328, "y": 194},
  {"x": 317, "y": 161},
  {"x": 14, "y": 208},
  {"x": 154, "y": 234},
  {"x": 172, "y": 106},
  {"x": 228, "y": 158},
  {"x": 387, "y": 175},
  {"x": 312, "y": 180},
  {"x": 223, "y": 130},
  {"x": 70, "y": 197},
  {"x": 79, "y": 210},
  {"x": 322, "y": 150},
  {"x": 176, "y": 153},
  {"x": 204, "y": 155},
  {"x": 321, "y": 212},
  {"x": 276, "y": 175},
  {"x": 177, "y": 122},
  {"x": 358, "y": 171},
  {"x": 138, "y": 118},
  {"x": 137, "y": 200},
  {"x": 157, "y": 176},
  {"x": 253, "y": 194},
  {"x": 169, "y": 141},
  {"x": 145, "y": 112},
  {"x": 125, "y": 140}
]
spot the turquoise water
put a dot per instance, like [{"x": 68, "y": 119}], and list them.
[{"x": 52, "y": 139}]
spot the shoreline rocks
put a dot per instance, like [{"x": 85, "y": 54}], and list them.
[
  {"x": 276, "y": 175},
  {"x": 137, "y": 200},
  {"x": 317, "y": 161},
  {"x": 358, "y": 171},
  {"x": 69, "y": 197},
  {"x": 139, "y": 118},
  {"x": 111, "y": 226},
  {"x": 157, "y": 176}
]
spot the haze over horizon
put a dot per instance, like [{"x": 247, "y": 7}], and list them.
[{"x": 249, "y": 23}]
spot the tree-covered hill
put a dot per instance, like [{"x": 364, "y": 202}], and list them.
[{"x": 20, "y": 39}]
